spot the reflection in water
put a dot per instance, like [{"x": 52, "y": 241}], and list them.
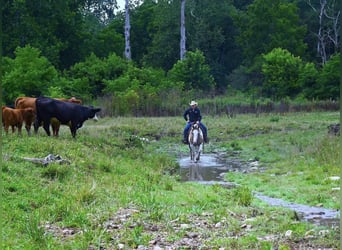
[
  {"x": 194, "y": 173},
  {"x": 210, "y": 170},
  {"x": 207, "y": 169}
]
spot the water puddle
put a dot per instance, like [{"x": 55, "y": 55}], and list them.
[
  {"x": 317, "y": 215},
  {"x": 211, "y": 170}
]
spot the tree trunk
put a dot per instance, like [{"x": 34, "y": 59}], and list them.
[
  {"x": 182, "y": 31},
  {"x": 127, "y": 32},
  {"x": 327, "y": 33}
]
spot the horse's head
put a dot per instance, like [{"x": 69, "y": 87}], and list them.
[
  {"x": 195, "y": 126},
  {"x": 195, "y": 136}
]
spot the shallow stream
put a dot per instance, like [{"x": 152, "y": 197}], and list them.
[{"x": 211, "y": 170}]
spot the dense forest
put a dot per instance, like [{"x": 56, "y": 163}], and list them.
[{"x": 265, "y": 50}]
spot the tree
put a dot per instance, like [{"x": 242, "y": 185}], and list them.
[
  {"x": 327, "y": 34},
  {"x": 182, "y": 31},
  {"x": 269, "y": 24},
  {"x": 56, "y": 28},
  {"x": 329, "y": 79},
  {"x": 193, "y": 72},
  {"x": 28, "y": 74},
  {"x": 103, "y": 10},
  {"x": 210, "y": 29},
  {"x": 308, "y": 77},
  {"x": 281, "y": 70},
  {"x": 163, "y": 51},
  {"x": 127, "y": 32},
  {"x": 89, "y": 77}
]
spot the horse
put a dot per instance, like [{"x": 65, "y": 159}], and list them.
[{"x": 195, "y": 142}]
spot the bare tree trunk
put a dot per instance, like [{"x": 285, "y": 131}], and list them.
[
  {"x": 127, "y": 32},
  {"x": 182, "y": 31},
  {"x": 328, "y": 27}
]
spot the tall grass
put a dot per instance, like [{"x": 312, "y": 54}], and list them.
[{"x": 121, "y": 187}]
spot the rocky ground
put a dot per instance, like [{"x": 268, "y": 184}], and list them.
[{"x": 195, "y": 235}]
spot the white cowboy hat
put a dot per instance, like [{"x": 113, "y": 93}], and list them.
[{"x": 193, "y": 103}]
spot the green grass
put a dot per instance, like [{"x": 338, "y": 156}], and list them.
[{"x": 119, "y": 189}]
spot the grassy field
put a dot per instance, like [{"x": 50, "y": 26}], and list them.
[{"x": 121, "y": 188}]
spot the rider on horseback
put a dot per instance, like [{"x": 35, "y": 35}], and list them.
[{"x": 193, "y": 115}]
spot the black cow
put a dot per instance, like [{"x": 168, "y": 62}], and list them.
[{"x": 71, "y": 114}]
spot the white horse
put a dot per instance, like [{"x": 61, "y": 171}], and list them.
[{"x": 195, "y": 142}]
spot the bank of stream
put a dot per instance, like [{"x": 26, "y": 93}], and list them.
[{"x": 212, "y": 168}]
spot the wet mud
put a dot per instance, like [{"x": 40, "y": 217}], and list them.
[{"x": 211, "y": 169}]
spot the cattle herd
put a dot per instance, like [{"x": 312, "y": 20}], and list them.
[{"x": 43, "y": 111}]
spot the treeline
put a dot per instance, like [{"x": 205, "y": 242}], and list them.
[{"x": 271, "y": 50}]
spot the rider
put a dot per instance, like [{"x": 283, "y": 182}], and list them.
[{"x": 192, "y": 115}]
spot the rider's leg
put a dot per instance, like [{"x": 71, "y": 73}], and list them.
[
  {"x": 205, "y": 132},
  {"x": 186, "y": 132}
]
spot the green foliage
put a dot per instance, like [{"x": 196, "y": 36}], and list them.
[
  {"x": 270, "y": 24},
  {"x": 308, "y": 77},
  {"x": 210, "y": 29},
  {"x": 54, "y": 27},
  {"x": 193, "y": 72},
  {"x": 329, "y": 79},
  {"x": 141, "y": 90},
  {"x": 28, "y": 74},
  {"x": 82, "y": 39},
  {"x": 87, "y": 78},
  {"x": 281, "y": 71}
]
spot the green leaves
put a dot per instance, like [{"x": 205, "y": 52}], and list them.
[
  {"x": 193, "y": 72},
  {"x": 281, "y": 71},
  {"x": 28, "y": 74}
]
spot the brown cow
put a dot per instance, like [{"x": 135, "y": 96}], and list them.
[
  {"x": 16, "y": 117},
  {"x": 26, "y": 102},
  {"x": 30, "y": 102}
]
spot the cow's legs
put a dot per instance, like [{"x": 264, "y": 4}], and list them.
[
  {"x": 19, "y": 129},
  {"x": 36, "y": 125},
  {"x": 6, "y": 128},
  {"x": 46, "y": 127},
  {"x": 55, "y": 129},
  {"x": 73, "y": 130},
  {"x": 28, "y": 128}
]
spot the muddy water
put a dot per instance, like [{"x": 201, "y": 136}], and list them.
[{"x": 211, "y": 169}]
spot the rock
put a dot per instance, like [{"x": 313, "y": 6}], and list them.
[
  {"x": 288, "y": 233},
  {"x": 218, "y": 224},
  {"x": 157, "y": 248},
  {"x": 323, "y": 232},
  {"x": 185, "y": 226},
  {"x": 334, "y": 178}
]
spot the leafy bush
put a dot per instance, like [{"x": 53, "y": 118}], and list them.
[
  {"x": 281, "y": 70},
  {"x": 28, "y": 73},
  {"x": 193, "y": 71}
]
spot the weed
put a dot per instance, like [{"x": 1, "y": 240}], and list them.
[
  {"x": 235, "y": 145},
  {"x": 34, "y": 230},
  {"x": 243, "y": 196},
  {"x": 274, "y": 119},
  {"x": 55, "y": 171}
]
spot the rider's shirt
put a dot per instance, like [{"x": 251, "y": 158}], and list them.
[{"x": 194, "y": 115}]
